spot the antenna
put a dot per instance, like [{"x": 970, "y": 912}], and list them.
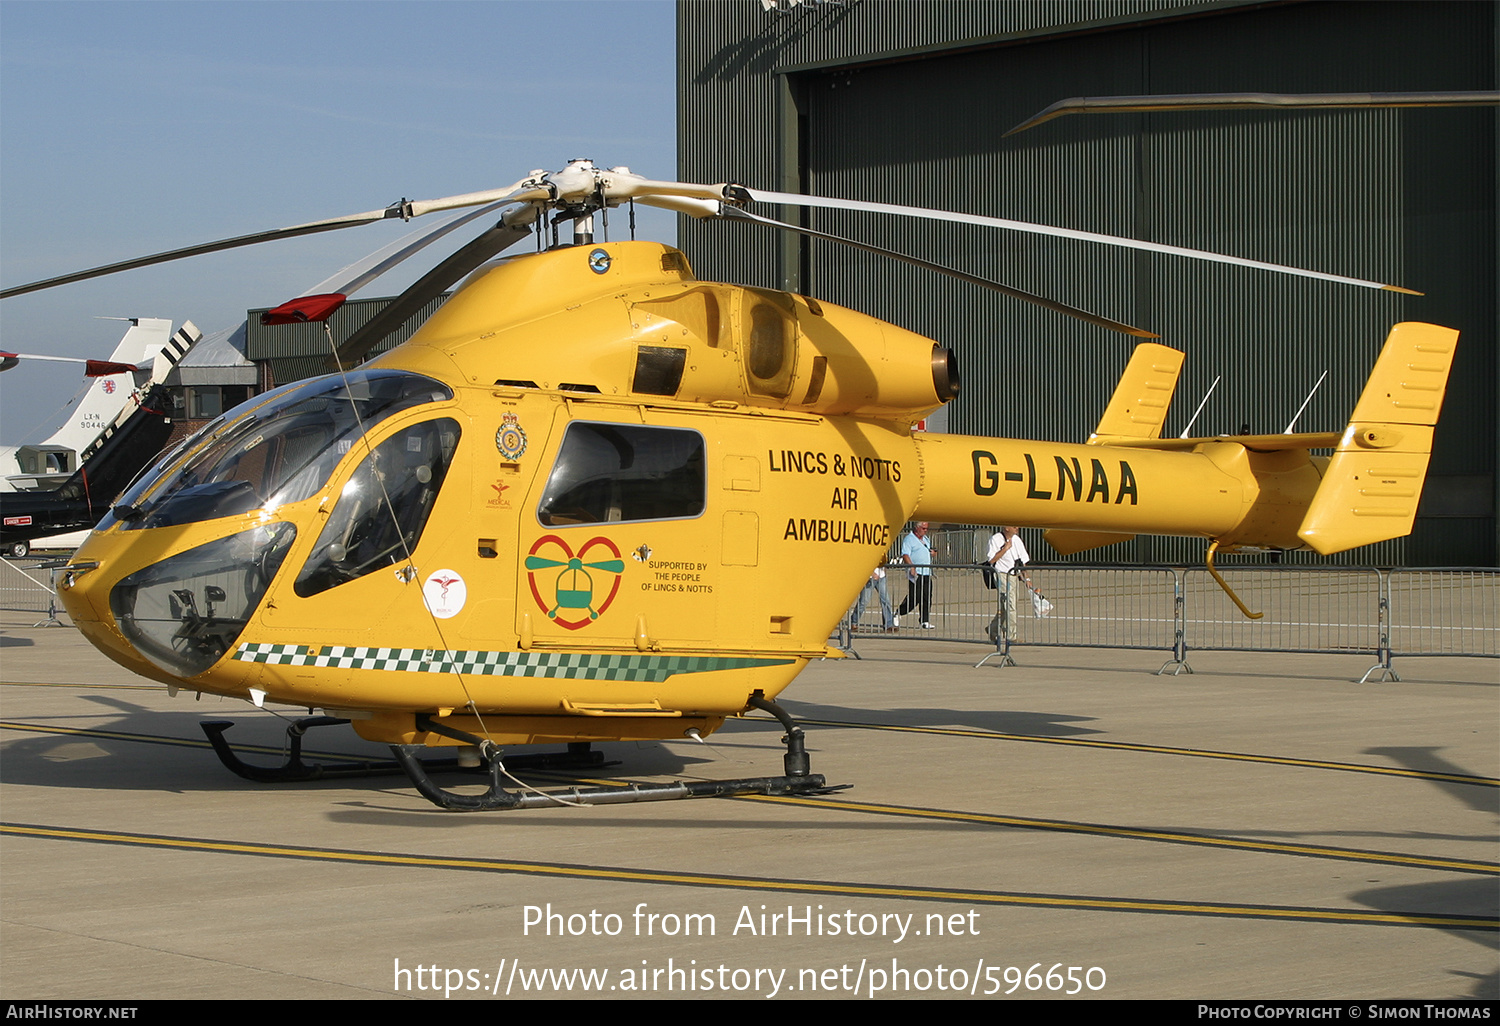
[
  {"x": 1310, "y": 395},
  {"x": 1199, "y": 410}
]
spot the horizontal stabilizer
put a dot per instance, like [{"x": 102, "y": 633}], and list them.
[
  {"x": 1372, "y": 484},
  {"x": 1259, "y": 443}
]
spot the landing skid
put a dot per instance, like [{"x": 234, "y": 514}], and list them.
[{"x": 798, "y": 781}]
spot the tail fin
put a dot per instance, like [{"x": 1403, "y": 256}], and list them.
[
  {"x": 176, "y": 347},
  {"x": 105, "y": 397},
  {"x": 1136, "y": 410},
  {"x": 162, "y": 362},
  {"x": 1139, "y": 406},
  {"x": 1372, "y": 484}
]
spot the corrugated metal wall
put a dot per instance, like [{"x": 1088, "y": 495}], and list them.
[{"x": 907, "y": 102}]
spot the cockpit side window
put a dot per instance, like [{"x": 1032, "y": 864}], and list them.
[
  {"x": 383, "y": 508},
  {"x": 621, "y": 472}
]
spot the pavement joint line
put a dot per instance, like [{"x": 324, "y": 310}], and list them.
[
  {"x": 949, "y": 815},
  {"x": 1275, "y": 760},
  {"x": 1126, "y": 746},
  {"x": 1201, "y": 753},
  {"x": 714, "y": 880},
  {"x": 161, "y": 739},
  {"x": 1139, "y": 833}
]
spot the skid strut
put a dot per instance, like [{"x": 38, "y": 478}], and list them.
[
  {"x": 578, "y": 756},
  {"x": 294, "y": 768},
  {"x": 797, "y": 781}
]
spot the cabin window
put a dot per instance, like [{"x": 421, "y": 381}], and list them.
[
  {"x": 279, "y": 448},
  {"x": 383, "y": 507},
  {"x": 607, "y": 473}
]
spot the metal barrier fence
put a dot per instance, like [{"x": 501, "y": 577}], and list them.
[
  {"x": 1408, "y": 612},
  {"x": 28, "y": 591}
]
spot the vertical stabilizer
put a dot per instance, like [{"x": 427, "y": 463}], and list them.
[
  {"x": 107, "y": 395},
  {"x": 1138, "y": 409},
  {"x": 165, "y": 360},
  {"x": 1139, "y": 406},
  {"x": 1371, "y": 486}
]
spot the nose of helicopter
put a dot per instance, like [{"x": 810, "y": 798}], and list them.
[{"x": 171, "y": 618}]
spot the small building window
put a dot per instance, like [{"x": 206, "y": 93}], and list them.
[{"x": 205, "y": 402}]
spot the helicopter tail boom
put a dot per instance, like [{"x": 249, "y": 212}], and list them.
[{"x": 1239, "y": 491}]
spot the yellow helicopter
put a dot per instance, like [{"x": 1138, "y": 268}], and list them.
[{"x": 580, "y": 503}]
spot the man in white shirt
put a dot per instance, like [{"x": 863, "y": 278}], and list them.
[{"x": 1007, "y": 554}]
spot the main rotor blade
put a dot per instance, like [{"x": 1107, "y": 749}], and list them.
[
  {"x": 357, "y": 275},
  {"x": 739, "y": 193},
  {"x": 1239, "y": 101},
  {"x": 425, "y": 289},
  {"x": 1014, "y": 293},
  {"x": 521, "y": 191},
  {"x": 311, "y": 228},
  {"x": 349, "y": 280}
]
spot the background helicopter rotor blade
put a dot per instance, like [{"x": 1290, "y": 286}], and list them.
[
  {"x": 427, "y": 288},
  {"x": 92, "y": 368},
  {"x": 1239, "y": 101},
  {"x": 740, "y": 194},
  {"x": 524, "y": 190},
  {"x": 1014, "y": 293}
]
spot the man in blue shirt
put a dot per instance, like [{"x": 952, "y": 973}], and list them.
[{"x": 916, "y": 551}]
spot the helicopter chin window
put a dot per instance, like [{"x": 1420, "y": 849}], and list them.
[
  {"x": 383, "y": 508},
  {"x": 270, "y": 452},
  {"x": 620, "y": 472},
  {"x": 185, "y": 613}
]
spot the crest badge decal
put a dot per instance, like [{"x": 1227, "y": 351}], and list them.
[{"x": 511, "y": 438}]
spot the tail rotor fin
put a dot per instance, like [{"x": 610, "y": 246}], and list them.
[{"x": 1371, "y": 486}]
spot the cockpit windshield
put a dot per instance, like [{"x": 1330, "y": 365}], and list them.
[{"x": 267, "y": 453}]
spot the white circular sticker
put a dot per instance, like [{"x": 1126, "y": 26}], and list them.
[{"x": 444, "y": 592}]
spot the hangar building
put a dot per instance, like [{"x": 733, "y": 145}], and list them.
[{"x": 908, "y": 102}]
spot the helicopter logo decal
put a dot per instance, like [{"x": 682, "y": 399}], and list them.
[
  {"x": 575, "y": 586},
  {"x": 445, "y": 593}
]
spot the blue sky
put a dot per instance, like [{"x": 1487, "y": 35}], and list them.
[{"x": 128, "y": 128}]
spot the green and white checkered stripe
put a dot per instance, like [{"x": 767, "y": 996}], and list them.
[{"x": 586, "y": 665}]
